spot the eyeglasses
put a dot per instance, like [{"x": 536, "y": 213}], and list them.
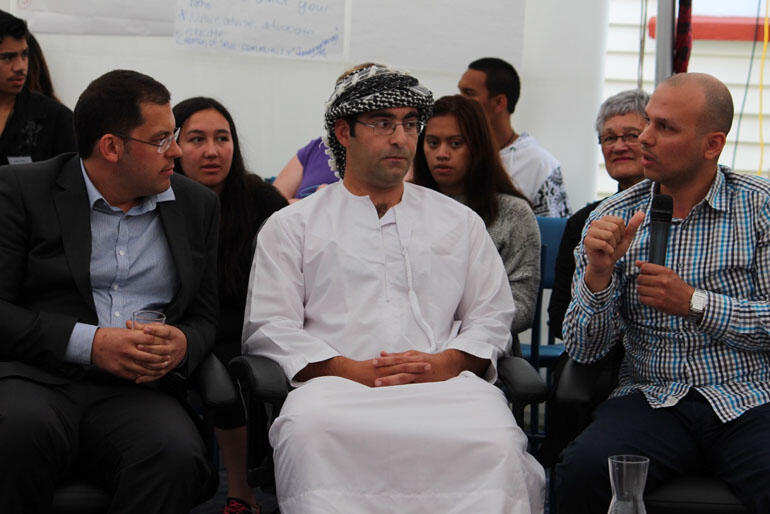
[
  {"x": 162, "y": 145},
  {"x": 388, "y": 127},
  {"x": 631, "y": 138}
]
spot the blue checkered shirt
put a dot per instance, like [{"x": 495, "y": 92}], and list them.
[{"x": 722, "y": 247}]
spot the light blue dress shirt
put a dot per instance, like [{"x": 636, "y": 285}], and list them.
[{"x": 131, "y": 265}]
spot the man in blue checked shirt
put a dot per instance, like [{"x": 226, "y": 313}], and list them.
[{"x": 694, "y": 384}]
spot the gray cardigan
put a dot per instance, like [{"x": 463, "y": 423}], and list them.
[{"x": 517, "y": 239}]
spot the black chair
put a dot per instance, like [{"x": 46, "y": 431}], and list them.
[
  {"x": 78, "y": 495},
  {"x": 263, "y": 387},
  {"x": 579, "y": 388},
  {"x": 210, "y": 387}
]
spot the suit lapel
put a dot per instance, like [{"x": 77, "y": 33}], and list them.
[
  {"x": 71, "y": 202},
  {"x": 179, "y": 244}
]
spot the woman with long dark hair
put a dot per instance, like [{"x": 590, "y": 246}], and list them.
[
  {"x": 212, "y": 156},
  {"x": 457, "y": 156}
]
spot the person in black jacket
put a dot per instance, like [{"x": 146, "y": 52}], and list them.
[
  {"x": 87, "y": 240},
  {"x": 34, "y": 127},
  {"x": 212, "y": 156}
]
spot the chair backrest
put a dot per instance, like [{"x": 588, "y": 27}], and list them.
[{"x": 551, "y": 231}]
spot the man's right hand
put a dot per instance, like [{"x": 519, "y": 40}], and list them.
[
  {"x": 115, "y": 351},
  {"x": 606, "y": 241},
  {"x": 366, "y": 372}
]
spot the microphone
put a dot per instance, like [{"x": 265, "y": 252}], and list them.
[{"x": 661, "y": 211}]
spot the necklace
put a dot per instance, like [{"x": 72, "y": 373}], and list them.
[{"x": 510, "y": 140}]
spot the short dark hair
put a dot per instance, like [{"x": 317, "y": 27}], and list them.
[
  {"x": 501, "y": 79},
  {"x": 111, "y": 104},
  {"x": 12, "y": 26},
  {"x": 718, "y": 111},
  {"x": 351, "y": 121}
]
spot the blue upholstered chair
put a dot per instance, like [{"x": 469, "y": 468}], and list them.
[{"x": 538, "y": 354}]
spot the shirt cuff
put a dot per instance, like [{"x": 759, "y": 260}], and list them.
[
  {"x": 598, "y": 301},
  {"x": 716, "y": 315},
  {"x": 296, "y": 365},
  {"x": 78, "y": 349},
  {"x": 482, "y": 351}
]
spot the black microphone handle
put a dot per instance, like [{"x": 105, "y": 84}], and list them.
[{"x": 658, "y": 242}]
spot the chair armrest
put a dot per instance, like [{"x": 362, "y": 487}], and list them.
[
  {"x": 522, "y": 381},
  {"x": 589, "y": 383},
  {"x": 262, "y": 377},
  {"x": 576, "y": 382},
  {"x": 213, "y": 384},
  {"x": 262, "y": 384}
]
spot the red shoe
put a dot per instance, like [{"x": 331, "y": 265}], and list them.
[{"x": 237, "y": 506}]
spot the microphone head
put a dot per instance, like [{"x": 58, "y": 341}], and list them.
[{"x": 662, "y": 208}]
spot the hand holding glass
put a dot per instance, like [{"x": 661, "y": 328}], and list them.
[{"x": 141, "y": 318}]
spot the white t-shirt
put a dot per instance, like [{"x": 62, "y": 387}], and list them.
[{"x": 538, "y": 174}]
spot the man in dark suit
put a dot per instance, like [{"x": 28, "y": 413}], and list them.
[{"x": 85, "y": 241}]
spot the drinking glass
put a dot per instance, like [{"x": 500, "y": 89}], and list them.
[
  {"x": 628, "y": 474},
  {"x": 139, "y": 318}
]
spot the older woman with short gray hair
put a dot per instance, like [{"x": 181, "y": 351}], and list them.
[{"x": 621, "y": 119}]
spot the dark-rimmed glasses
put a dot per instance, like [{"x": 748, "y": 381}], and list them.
[
  {"x": 388, "y": 127},
  {"x": 162, "y": 145},
  {"x": 631, "y": 138}
]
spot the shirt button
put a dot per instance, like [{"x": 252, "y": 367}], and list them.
[
  {"x": 115, "y": 287},
  {"x": 121, "y": 252},
  {"x": 117, "y": 314}
]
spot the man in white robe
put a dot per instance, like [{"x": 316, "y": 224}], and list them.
[{"x": 385, "y": 304}]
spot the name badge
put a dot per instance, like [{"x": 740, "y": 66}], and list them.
[{"x": 19, "y": 159}]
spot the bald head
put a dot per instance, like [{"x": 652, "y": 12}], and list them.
[{"x": 717, "y": 110}]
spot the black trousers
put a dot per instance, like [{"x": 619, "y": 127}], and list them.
[
  {"x": 138, "y": 443},
  {"x": 680, "y": 439}
]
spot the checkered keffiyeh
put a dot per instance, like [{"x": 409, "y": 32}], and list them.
[{"x": 371, "y": 89}]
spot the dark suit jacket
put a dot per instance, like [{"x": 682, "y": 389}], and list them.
[
  {"x": 45, "y": 252},
  {"x": 40, "y": 127}
]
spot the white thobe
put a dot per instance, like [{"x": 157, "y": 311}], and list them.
[{"x": 331, "y": 278}]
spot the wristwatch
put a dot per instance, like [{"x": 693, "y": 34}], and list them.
[{"x": 697, "y": 306}]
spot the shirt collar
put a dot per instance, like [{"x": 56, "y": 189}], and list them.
[
  {"x": 717, "y": 194},
  {"x": 148, "y": 203}
]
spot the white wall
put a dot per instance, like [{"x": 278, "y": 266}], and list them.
[
  {"x": 562, "y": 78},
  {"x": 277, "y": 104}
]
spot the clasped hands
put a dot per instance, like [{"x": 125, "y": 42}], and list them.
[
  {"x": 397, "y": 368},
  {"x": 659, "y": 287},
  {"x": 141, "y": 355},
  {"x": 413, "y": 367}
]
